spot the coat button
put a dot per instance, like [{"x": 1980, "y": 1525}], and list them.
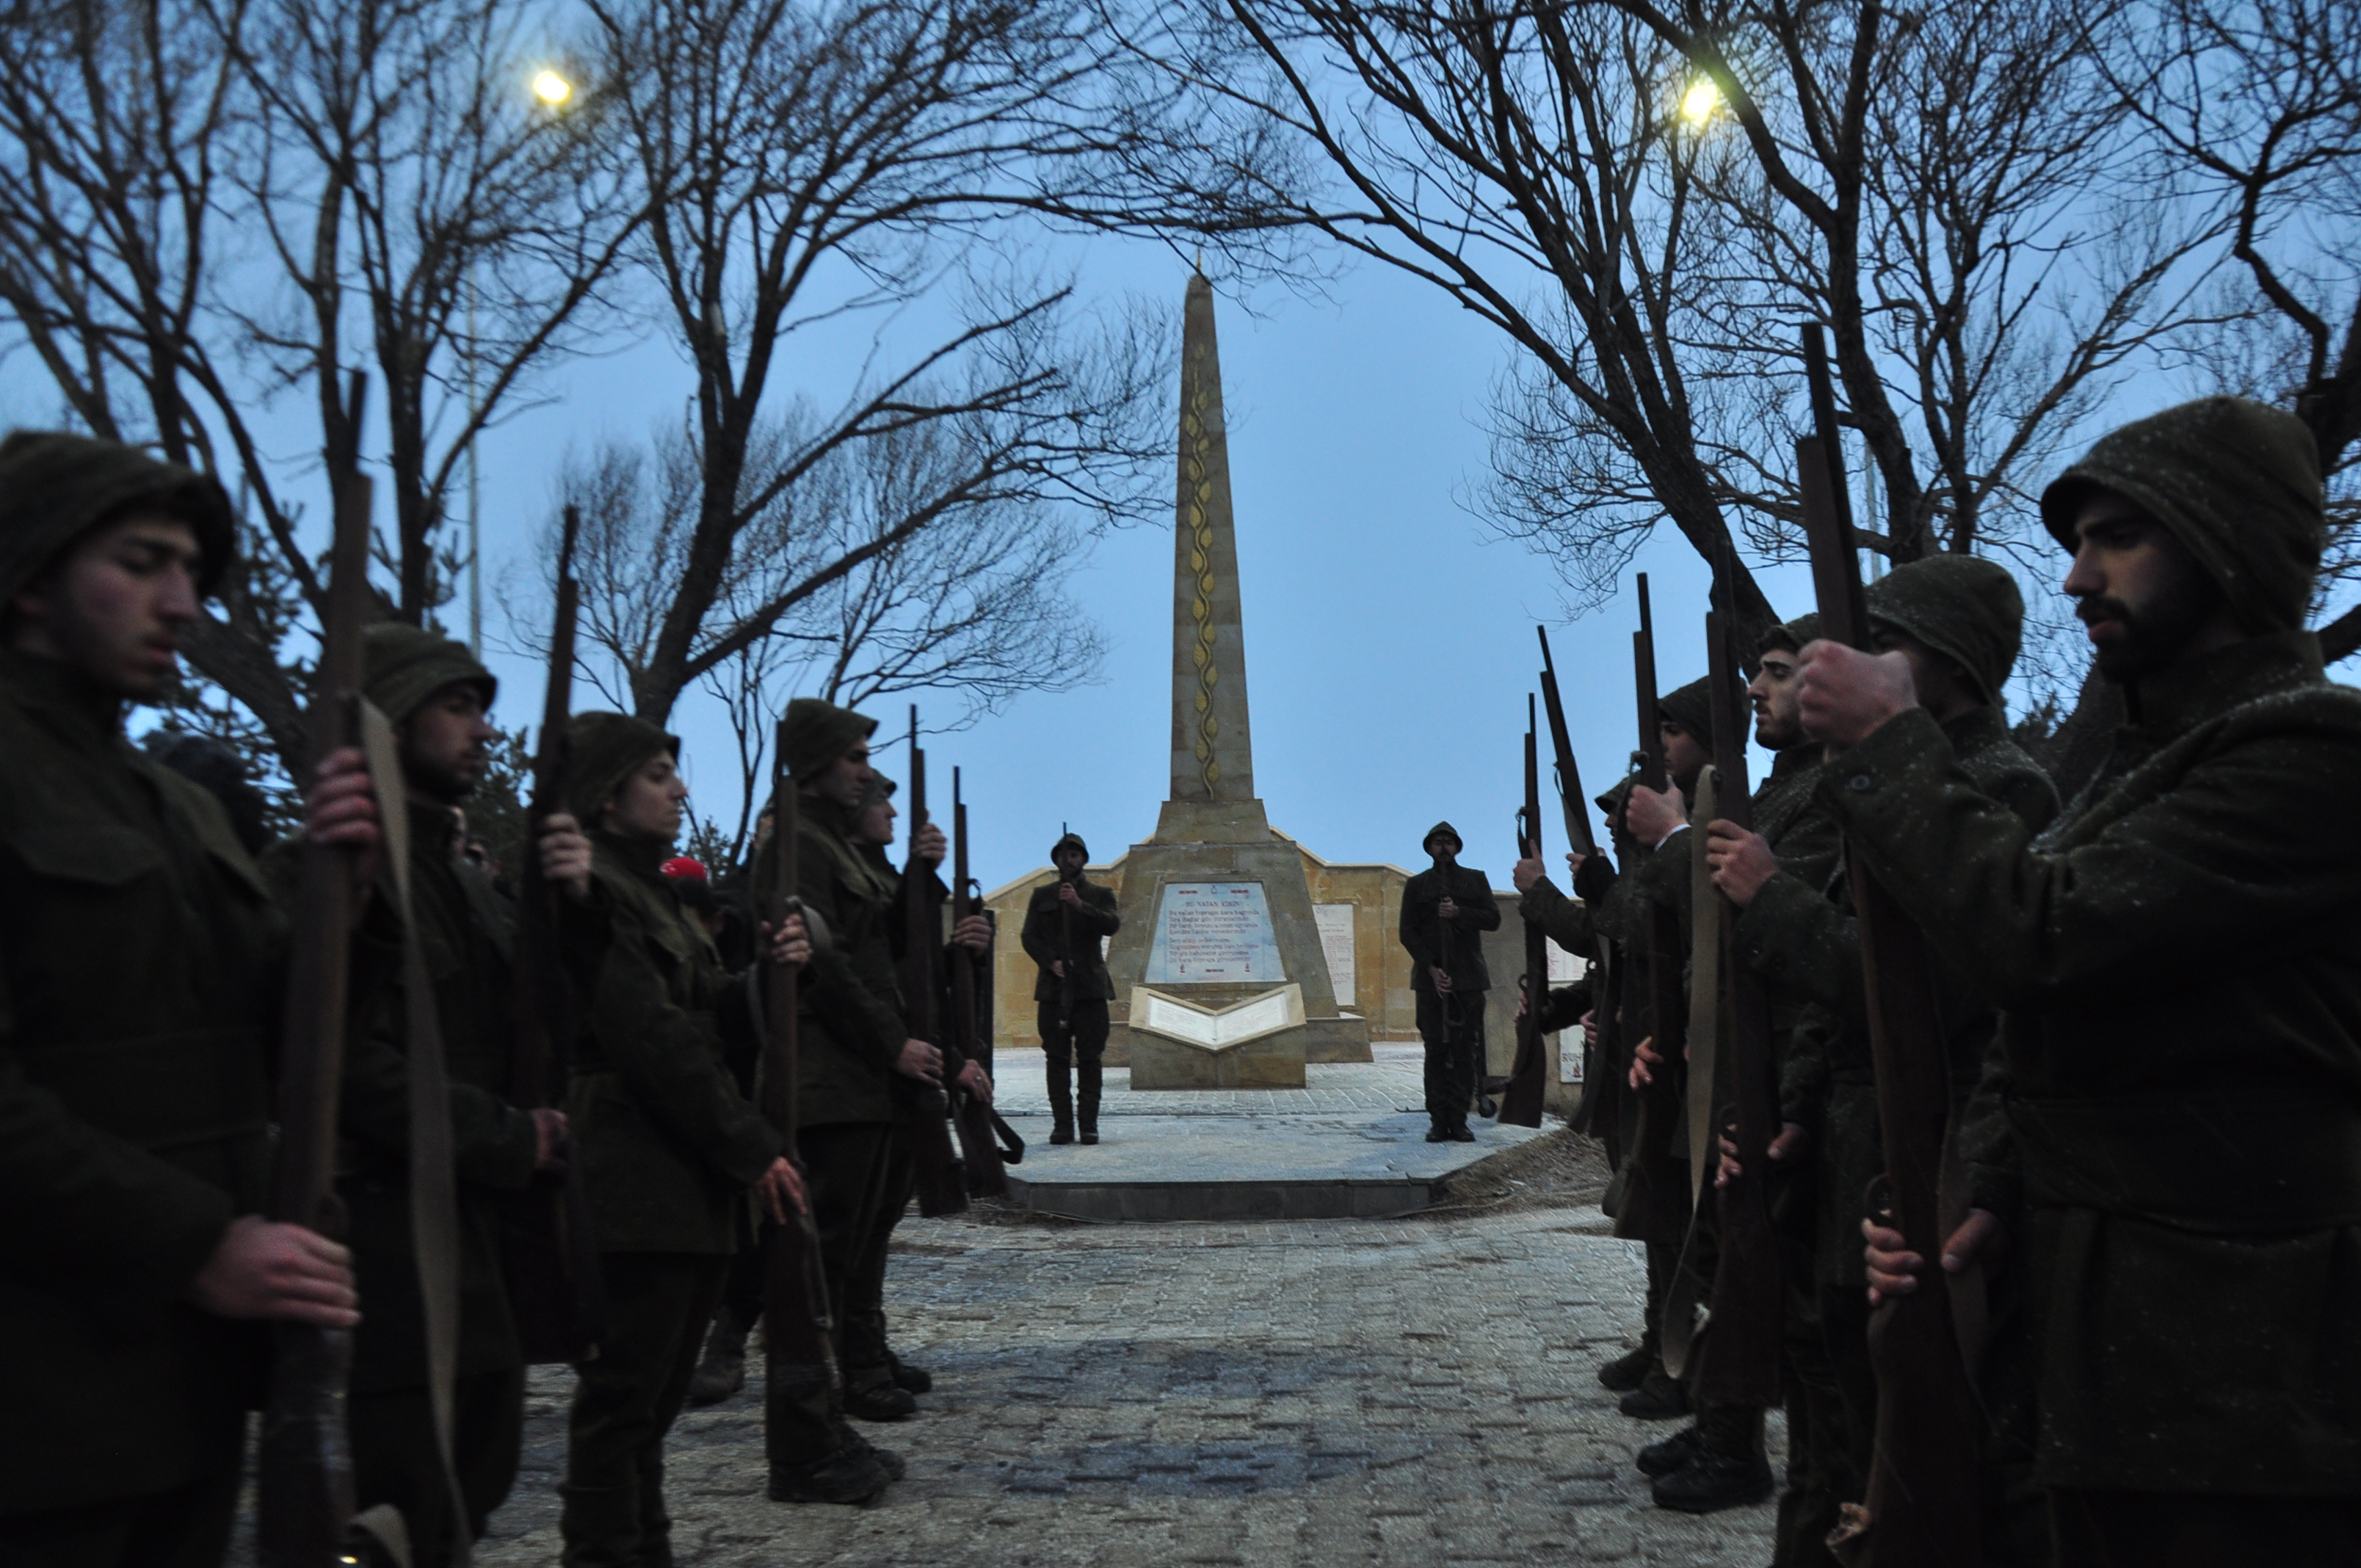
[{"x": 1859, "y": 781}]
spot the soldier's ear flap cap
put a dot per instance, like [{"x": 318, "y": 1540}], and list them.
[
  {"x": 56, "y": 486},
  {"x": 2237, "y": 482},
  {"x": 817, "y": 733}
]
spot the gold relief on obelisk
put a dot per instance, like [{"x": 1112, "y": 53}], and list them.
[{"x": 1197, "y": 493}]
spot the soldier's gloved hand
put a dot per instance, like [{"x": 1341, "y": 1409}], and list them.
[
  {"x": 565, "y": 855},
  {"x": 1846, "y": 695},
  {"x": 1894, "y": 1268},
  {"x": 781, "y": 1188},
  {"x": 976, "y": 1081},
  {"x": 1741, "y": 861},
  {"x": 928, "y": 846},
  {"x": 548, "y": 1137},
  {"x": 262, "y": 1269},
  {"x": 974, "y": 934},
  {"x": 920, "y": 1062},
  {"x": 1654, "y": 815}
]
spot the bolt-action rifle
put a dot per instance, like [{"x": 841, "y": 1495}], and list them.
[
  {"x": 1738, "y": 1361},
  {"x": 1065, "y": 956},
  {"x": 1655, "y": 1205},
  {"x": 554, "y": 1283},
  {"x": 1520, "y": 1102},
  {"x": 304, "y": 1477},
  {"x": 943, "y": 1188},
  {"x": 987, "y": 1144},
  {"x": 799, "y": 1353},
  {"x": 1922, "y": 1509},
  {"x": 1598, "y": 1109}
]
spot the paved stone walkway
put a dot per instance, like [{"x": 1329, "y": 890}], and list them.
[
  {"x": 1366, "y": 1392},
  {"x": 1395, "y": 1081}
]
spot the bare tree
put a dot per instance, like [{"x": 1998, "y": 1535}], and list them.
[{"x": 204, "y": 205}]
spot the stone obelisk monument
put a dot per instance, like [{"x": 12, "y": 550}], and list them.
[{"x": 1219, "y": 976}]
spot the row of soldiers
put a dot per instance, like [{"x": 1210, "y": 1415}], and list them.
[
  {"x": 2149, "y": 1006},
  {"x": 143, "y": 958}
]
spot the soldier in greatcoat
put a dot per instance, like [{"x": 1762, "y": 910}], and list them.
[
  {"x": 1067, "y": 923},
  {"x": 2178, "y": 1067},
  {"x": 141, "y": 976},
  {"x": 1445, "y": 909}
]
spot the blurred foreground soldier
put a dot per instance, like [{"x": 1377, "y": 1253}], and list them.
[
  {"x": 437, "y": 698},
  {"x": 2177, "y": 1062},
  {"x": 1067, "y": 923},
  {"x": 669, "y": 1144},
  {"x": 853, "y": 1050},
  {"x": 216, "y": 765},
  {"x": 1445, "y": 909},
  {"x": 140, "y": 983}
]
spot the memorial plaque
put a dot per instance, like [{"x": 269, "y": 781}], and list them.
[
  {"x": 1336, "y": 923},
  {"x": 1213, "y": 933}
]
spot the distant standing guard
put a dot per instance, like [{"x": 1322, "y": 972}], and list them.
[
  {"x": 1065, "y": 925},
  {"x": 1445, "y": 909}
]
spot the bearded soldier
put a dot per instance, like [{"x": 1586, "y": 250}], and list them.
[
  {"x": 2178, "y": 1060},
  {"x": 1445, "y": 910},
  {"x": 1067, "y": 923},
  {"x": 669, "y": 1143},
  {"x": 437, "y": 698},
  {"x": 140, "y": 984}
]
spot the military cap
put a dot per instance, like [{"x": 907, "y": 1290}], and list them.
[
  {"x": 55, "y": 486},
  {"x": 1794, "y": 636},
  {"x": 2235, "y": 481},
  {"x": 1691, "y": 708},
  {"x": 1964, "y": 607},
  {"x": 1443, "y": 830},
  {"x": 1069, "y": 838},
  {"x": 403, "y": 666},
  {"x": 817, "y": 733},
  {"x": 605, "y": 749}
]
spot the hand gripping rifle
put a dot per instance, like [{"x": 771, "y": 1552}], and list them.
[
  {"x": 1601, "y": 1098},
  {"x": 304, "y": 1479},
  {"x": 1739, "y": 1362},
  {"x": 1922, "y": 1508},
  {"x": 987, "y": 1144},
  {"x": 1655, "y": 1198},
  {"x": 800, "y": 1353},
  {"x": 1521, "y": 1101},
  {"x": 556, "y": 1286},
  {"x": 943, "y": 1188}
]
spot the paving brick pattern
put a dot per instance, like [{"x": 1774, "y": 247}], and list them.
[
  {"x": 1326, "y": 1392},
  {"x": 1394, "y": 1081}
]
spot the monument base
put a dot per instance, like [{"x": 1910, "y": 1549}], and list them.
[{"x": 1254, "y": 1041}]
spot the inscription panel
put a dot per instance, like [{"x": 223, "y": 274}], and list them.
[{"x": 1213, "y": 933}]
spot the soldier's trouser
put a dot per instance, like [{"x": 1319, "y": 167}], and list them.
[
  {"x": 861, "y": 1345},
  {"x": 1085, "y": 1042},
  {"x": 630, "y": 1394},
  {"x": 1817, "y": 1458},
  {"x": 848, "y": 1174},
  {"x": 1844, "y": 1330},
  {"x": 394, "y": 1458},
  {"x": 741, "y": 1296},
  {"x": 2184, "y": 1529},
  {"x": 1454, "y": 1055},
  {"x": 187, "y": 1527}
]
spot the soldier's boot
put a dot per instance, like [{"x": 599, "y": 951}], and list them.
[
  {"x": 849, "y": 1436},
  {"x": 655, "y": 1523},
  {"x": 1061, "y": 1101},
  {"x": 850, "y": 1475},
  {"x": 723, "y": 1370},
  {"x": 1730, "y": 1469},
  {"x": 599, "y": 1526},
  {"x": 872, "y": 1396},
  {"x": 1093, "y": 1078},
  {"x": 1628, "y": 1371},
  {"x": 1672, "y": 1454},
  {"x": 915, "y": 1380},
  {"x": 1657, "y": 1398}
]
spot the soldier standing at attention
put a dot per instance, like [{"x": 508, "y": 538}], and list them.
[
  {"x": 2178, "y": 1060},
  {"x": 1067, "y": 923},
  {"x": 140, "y": 984},
  {"x": 670, "y": 1147},
  {"x": 437, "y": 698},
  {"x": 1443, "y": 910}
]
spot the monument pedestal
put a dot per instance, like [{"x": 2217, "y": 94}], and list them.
[{"x": 1256, "y": 1042}]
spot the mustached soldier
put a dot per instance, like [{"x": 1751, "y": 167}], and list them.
[
  {"x": 141, "y": 976},
  {"x": 1067, "y": 923},
  {"x": 2178, "y": 1066},
  {"x": 437, "y": 698},
  {"x": 1445, "y": 909}
]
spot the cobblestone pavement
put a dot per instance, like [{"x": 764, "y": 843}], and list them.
[
  {"x": 1395, "y": 1081},
  {"x": 1397, "y": 1391}
]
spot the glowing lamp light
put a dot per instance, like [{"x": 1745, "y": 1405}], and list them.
[
  {"x": 1700, "y": 101},
  {"x": 552, "y": 89}
]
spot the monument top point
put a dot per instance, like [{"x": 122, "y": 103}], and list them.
[{"x": 1212, "y": 750}]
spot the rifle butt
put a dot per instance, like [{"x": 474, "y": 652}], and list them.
[{"x": 303, "y": 1477}]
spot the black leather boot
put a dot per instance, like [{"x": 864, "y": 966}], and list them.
[
  {"x": 1061, "y": 1101},
  {"x": 1090, "y": 1075}
]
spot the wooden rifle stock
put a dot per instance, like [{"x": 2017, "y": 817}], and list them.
[
  {"x": 799, "y": 1351},
  {"x": 1521, "y": 1101},
  {"x": 1655, "y": 1196},
  {"x": 1600, "y": 1100},
  {"x": 1923, "y": 1509},
  {"x": 304, "y": 1477},
  {"x": 556, "y": 1287},
  {"x": 981, "y": 1154},
  {"x": 943, "y": 1188},
  {"x": 1739, "y": 1362}
]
